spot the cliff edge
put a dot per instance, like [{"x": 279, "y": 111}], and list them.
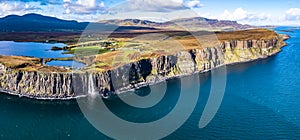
[{"x": 65, "y": 84}]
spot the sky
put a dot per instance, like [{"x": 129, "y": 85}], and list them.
[{"x": 253, "y": 12}]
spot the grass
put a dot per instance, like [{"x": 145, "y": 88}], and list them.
[
  {"x": 64, "y": 59},
  {"x": 58, "y": 59},
  {"x": 63, "y": 37},
  {"x": 27, "y": 64},
  {"x": 131, "y": 48},
  {"x": 15, "y": 62},
  {"x": 255, "y": 34},
  {"x": 144, "y": 49},
  {"x": 87, "y": 51}
]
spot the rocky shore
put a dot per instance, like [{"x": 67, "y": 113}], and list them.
[{"x": 67, "y": 85}]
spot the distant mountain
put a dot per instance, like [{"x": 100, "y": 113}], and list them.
[
  {"x": 196, "y": 23},
  {"x": 130, "y": 22},
  {"x": 205, "y": 23},
  {"x": 40, "y": 23},
  {"x": 35, "y": 22}
]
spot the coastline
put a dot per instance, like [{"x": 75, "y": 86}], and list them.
[
  {"x": 136, "y": 87},
  {"x": 60, "y": 86}
]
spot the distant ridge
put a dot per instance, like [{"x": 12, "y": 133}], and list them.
[
  {"x": 195, "y": 23},
  {"x": 36, "y": 22},
  {"x": 39, "y": 23}
]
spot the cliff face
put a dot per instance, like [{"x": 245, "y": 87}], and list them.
[{"x": 68, "y": 85}]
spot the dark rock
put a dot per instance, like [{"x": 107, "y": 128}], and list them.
[{"x": 66, "y": 85}]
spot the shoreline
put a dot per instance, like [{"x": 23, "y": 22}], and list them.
[
  {"x": 56, "y": 84},
  {"x": 135, "y": 87}
]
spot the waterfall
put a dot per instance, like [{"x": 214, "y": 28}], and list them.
[{"x": 91, "y": 87}]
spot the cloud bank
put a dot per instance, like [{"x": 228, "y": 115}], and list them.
[
  {"x": 83, "y": 6},
  {"x": 16, "y": 8},
  {"x": 293, "y": 14},
  {"x": 161, "y": 5},
  {"x": 93, "y": 10},
  {"x": 242, "y": 15},
  {"x": 290, "y": 17}
]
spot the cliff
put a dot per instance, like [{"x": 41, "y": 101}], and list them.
[{"x": 64, "y": 85}]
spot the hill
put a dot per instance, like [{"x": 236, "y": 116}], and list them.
[
  {"x": 40, "y": 23},
  {"x": 35, "y": 22},
  {"x": 196, "y": 23}
]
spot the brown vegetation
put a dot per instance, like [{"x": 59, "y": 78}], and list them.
[
  {"x": 27, "y": 64},
  {"x": 132, "y": 51}
]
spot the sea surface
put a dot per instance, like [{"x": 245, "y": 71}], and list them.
[
  {"x": 38, "y": 50},
  {"x": 261, "y": 101}
]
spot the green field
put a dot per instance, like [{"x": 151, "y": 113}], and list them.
[{"x": 87, "y": 51}]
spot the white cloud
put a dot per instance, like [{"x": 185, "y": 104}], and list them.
[
  {"x": 292, "y": 14},
  {"x": 237, "y": 14},
  {"x": 291, "y": 17},
  {"x": 16, "y": 8},
  {"x": 83, "y": 6},
  {"x": 194, "y": 4},
  {"x": 160, "y": 5},
  {"x": 102, "y": 4},
  {"x": 244, "y": 16},
  {"x": 154, "y": 5},
  {"x": 87, "y": 3}
]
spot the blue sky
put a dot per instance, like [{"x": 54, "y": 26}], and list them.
[{"x": 255, "y": 12}]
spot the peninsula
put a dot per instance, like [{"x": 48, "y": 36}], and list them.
[
  {"x": 26, "y": 76},
  {"x": 136, "y": 55}
]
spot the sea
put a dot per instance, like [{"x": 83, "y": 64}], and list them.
[{"x": 261, "y": 101}]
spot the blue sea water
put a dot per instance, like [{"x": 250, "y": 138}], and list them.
[{"x": 261, "y": 101}]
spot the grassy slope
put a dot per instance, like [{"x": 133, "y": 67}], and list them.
[
  {"x": 133, "y": 49},
  {"x": 27, "y": 64},
  {"x": 150, "y": 47}
]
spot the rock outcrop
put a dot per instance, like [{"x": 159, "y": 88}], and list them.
[{"x": 146, "y": 71}]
